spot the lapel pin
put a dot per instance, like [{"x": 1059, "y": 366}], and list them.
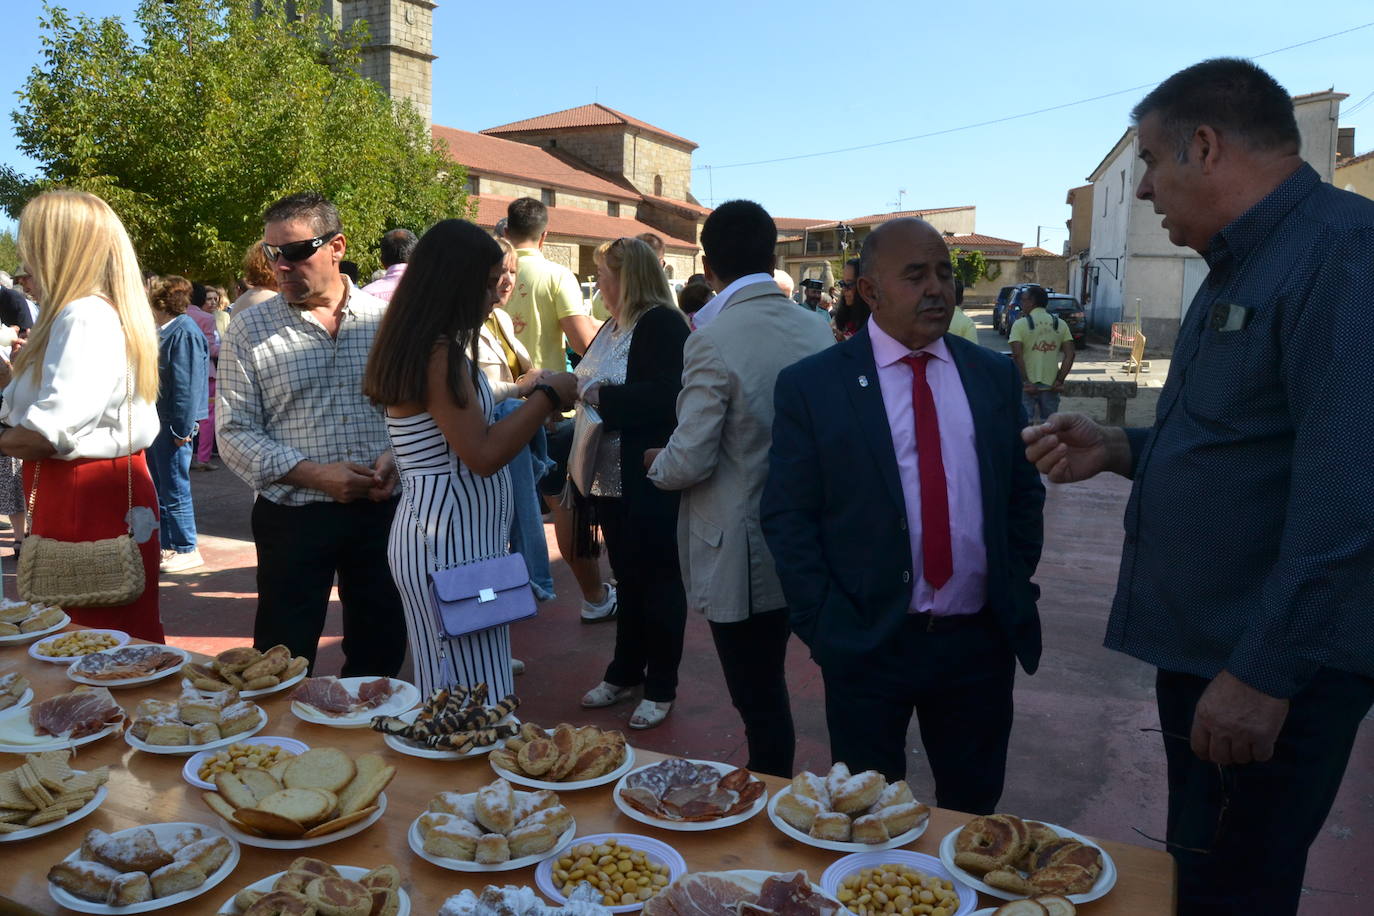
[{"x": 863, "y": 381}]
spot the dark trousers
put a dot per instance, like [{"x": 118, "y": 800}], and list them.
[
  {"x": 1240, "y": 834},
  {"x": 753, "y": 655},
  {"x": 300, "y": 548},
  {"x": 959, "y": 684},
  {"x": 653, "y": 605}
]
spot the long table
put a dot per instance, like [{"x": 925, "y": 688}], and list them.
[{"x": 147, "y": 789}]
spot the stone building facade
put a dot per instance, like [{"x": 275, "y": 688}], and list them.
[{"x": 399, "y": 52}]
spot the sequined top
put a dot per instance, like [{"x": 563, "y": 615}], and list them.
[{"x": 605, "y": 361}]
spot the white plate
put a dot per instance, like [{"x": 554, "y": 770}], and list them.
[
  {"x": 18, "y": 639},
  {"x": 520, "y": 779},
  {"x": 406, "y": 697},
  {"x": 163, "y": 832},
  {"x": 1104, "y": 883},
  {"x": 25, "y": 699},
  {"x": 268, "y": 843},
  {"x": 78, "y": 814},
  {"x": 417, "y": 844},
  {"x": 843, "y": 868},
  {"x": 900, "y": 839},
  {"x": 180, "y": 750},
  {"x": 351, "y": 872},
  {"x": 724, "y": 768},
  {"x": 405, "y": 746},
  {"x": 52, "y": 744},
  {"x": 192, "y": 767},
  {"x": 121, "y": 638},
  {"x": 656, "y": 851},
  {"x": 131, "y": 681},
  {"x": 249, "y": 694}
]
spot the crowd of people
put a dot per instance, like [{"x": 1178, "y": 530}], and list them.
[{"x": 864, "y": 478}]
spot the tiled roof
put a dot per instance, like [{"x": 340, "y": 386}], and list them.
[
  {"x": 1038, "y": 253},
  {"x": 786, "y": 222},
  {"x": 875, "y": 218},
  {"x": 534, "y": 165},
  {"x": 594, "y": 115},
  {"x": 580, "y": 224},
  {"x": 687, "y": 205},
  {"x": 1363, "y": 157},
  {"x": 981, "y": 241}
]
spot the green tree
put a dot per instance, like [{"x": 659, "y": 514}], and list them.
[
  {"x": 969, "y": 266},
  {"x": 9, "y": 251},
  {"x": 214, "y": 112}
]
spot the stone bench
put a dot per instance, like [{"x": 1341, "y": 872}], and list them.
[{"x": 1115, "y": 392}]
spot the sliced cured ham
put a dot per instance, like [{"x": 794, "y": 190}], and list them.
[
  {"x": 702, "y": 894},
  {"x": 372, "y": 694},
  {"x": 332, "y": 698},
  {"x": 791, "y": 895},
  {"x": 681, "y": 790},
  {"x": 84, "y": 711},
  {"x": 126, "y": 662}
]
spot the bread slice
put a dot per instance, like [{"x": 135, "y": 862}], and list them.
[
  {"x": 373, "y": 775},
  {"x": 258, "y": 781},
  {"x": 320, "y": 768},
  {"x": 235, "y": 791},
  {"x": 305, "y": 806}
]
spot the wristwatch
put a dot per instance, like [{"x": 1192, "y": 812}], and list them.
[{"x": 553, "y": 395}]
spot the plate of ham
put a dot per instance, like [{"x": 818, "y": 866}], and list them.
[
  {"x": 67, "y": 720},
  {"x": 351, "y": 702},
  {"x": 128, "y": 666},
  {"x": 742, "y": 893},
  {"x": 678, "y": 794}
]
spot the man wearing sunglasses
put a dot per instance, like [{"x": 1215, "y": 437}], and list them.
[{"x": 293, "y": 423}]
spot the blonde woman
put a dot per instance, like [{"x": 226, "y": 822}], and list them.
[
  {"x": 631, "y": 374},
  {"x": 84, "y": 391}
]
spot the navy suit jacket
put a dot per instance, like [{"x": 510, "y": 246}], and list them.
[{"x": 834, "y": 516}]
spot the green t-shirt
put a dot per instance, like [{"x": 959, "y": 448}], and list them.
[
  {"x": 544, "y": 294},
  {"x": 962, "y": 325},
  {"x": 1040, "y": 347}
]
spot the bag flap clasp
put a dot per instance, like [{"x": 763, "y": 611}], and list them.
[{"x": 485, "y": 595}]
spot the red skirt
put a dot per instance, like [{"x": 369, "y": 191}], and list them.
[{"x": 87, "y": 499}]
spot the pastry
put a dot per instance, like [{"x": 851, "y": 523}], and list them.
[
  {"x": 207, "y": 854},
  {"x": 238, "y": 718},
  {"x": 462, "y": 804},
  {"x": 383, "y": 876},
  {"x": 1062, "y": 879},
  {"x": 869, "y": 828},
  {"x": 281, "y": 903},
  {"x": 898, "y": 819},
  {"x": 809, "y": 785},
  {"x": 322, "y": 767},
  {"x": 799, "y": 810},
  {"x": 449, "y": 836},
  {"x": 204, "y": 733},
  {"x": 1020, "y": 908},
  {"x": 831, "y": 825},
  {"x": 492, "y": 849},
  {"x": 537, "y": 757},
  {"x": 87, "y": 880},
  {"x": 531, "y": 839},
  {"x": 372, "y": 774},
  {"x": 15, "y": 612},
  {"x": 335, "y": 896},
  {"x": 557, "y": 819},
  {"x": 526, "y": 803},
  {"x": 385, "y": 901},
  {"x": 176, "y": 878},
  {"x": 896, "y": 793},
  {"x": 130, "y": 887},
  {"x": 496, "y": 806},
  {"x": 312, "y": 866},
  {"x": 232, "y": 661},
  {"x": 304, "y": 806},
  {"x": 1056, "y": 905},
  {"x": 135, "y": 850},
  {"x": 273, "y": 662},
  {"x": 1007, "y": 879},
  {"x": 855, "y": 793}
]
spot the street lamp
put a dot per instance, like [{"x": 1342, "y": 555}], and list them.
[{"x": 1052, "y": 228}]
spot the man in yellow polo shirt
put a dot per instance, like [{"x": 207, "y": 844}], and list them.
[
  {"x": 545, "y": 306},
  {"x": 1042, "y": 346}
]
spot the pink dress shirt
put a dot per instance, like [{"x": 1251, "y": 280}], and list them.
[
  {"x": 206, "y": 322},
  {"x": 385, "y": 285},
  {"x": 966, "y": 591}
]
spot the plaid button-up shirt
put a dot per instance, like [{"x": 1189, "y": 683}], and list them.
[{"x": 289, "y": 392}]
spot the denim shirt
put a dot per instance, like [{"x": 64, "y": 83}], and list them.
[
  {"x": 1250, "y": 527},
  {"x": 183, "y": 362}
]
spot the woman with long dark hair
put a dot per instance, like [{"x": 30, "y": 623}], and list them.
[
  {"x": 852, "y": 312},
  {"x": 455, "y": 491}
]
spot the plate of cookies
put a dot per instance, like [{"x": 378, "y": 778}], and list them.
[
  {"x": 313, "y": 885},
  {"x": 251, "y": 672},
  {"x": 563, "y": 758},
  {"x": 44, "y": 794},
  {"x": 1003, "y": 856},
  {"x": 322, "y": 795},
  {"x": 848, "y": 812},
  {"x": 636, "y": 869},
  {"x": 22, "y": 622},
  {"x": 678, "y": 794},
  {"x": 142, "y": 868},
  {"x": 193, "y": 723},
  {"x": 496, "y": 828},
  {"x": 66, "y": 648},
  {"x": 128, "y": 666},
  {"x": 263, "y": 752}
]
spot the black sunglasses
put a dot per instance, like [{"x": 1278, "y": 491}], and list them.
[
  {"x": 847, "y": 284},
  {"x": 296, "y": 251}
]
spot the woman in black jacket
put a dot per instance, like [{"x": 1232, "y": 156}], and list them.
[{"x": 631, "y": 375}]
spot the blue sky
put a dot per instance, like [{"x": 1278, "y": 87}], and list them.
[{"x": 762, "y": 80}]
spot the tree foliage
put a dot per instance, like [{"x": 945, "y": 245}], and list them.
[
  {"x": 9, "y": 251},
  {"x": 191, "y": 129},
  {"x": 969, "y": 266}
]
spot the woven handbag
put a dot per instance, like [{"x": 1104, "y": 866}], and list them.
[{"x": 103, "y": 573}]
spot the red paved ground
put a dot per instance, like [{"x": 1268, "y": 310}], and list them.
[{"x": 1078, "y": 755}]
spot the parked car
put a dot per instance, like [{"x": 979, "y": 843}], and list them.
[
  {"x": 1065, "y": 308},
  {"x": 1003, "y": 295},
  {"x": 1012, "y": 309}
]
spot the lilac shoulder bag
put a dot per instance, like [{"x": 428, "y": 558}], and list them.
[{"x": 481, "y": 595}]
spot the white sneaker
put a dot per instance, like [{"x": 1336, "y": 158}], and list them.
[
  {"x": 181, "y": 562},
  {"x": 606, "y": 610}
]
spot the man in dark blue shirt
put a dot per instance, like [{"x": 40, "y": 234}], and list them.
[{"x": 1247, "y": 575}]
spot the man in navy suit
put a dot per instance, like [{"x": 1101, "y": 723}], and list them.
[{"x": 906, "y": 525}]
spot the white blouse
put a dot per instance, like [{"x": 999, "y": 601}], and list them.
[{"x": 77, "y": 403}]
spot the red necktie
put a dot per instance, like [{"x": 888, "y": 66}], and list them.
[{"x": 937, "y": 555}]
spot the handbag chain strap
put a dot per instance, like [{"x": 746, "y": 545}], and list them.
[{"x": 129, "y": 405}]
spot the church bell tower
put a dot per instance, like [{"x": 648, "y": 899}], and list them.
[{"x": 399, "y": 51}]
